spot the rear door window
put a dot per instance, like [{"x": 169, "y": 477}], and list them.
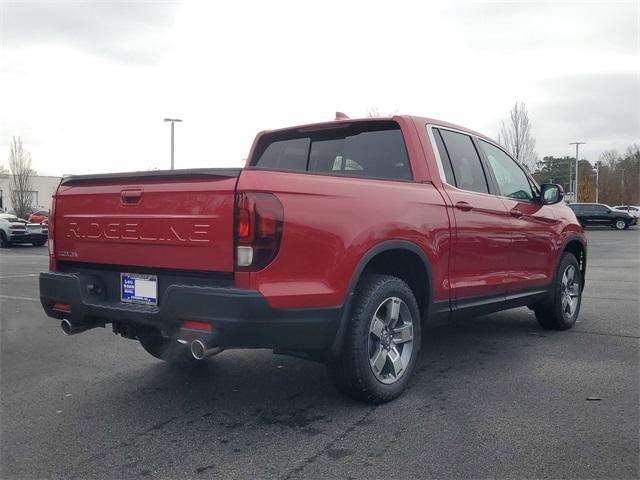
[
  {"x": 367, "y": 149},
  {"x": 444, "y": 158},
  {"x": 465, "y": 162}
]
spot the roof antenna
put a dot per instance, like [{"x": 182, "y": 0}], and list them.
[{"x": 341, "y": 116}]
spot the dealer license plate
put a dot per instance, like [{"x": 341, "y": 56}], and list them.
[{"x": 136, "y": 288}]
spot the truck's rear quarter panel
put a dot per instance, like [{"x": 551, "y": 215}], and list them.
[{"x": 331, "y": 222}]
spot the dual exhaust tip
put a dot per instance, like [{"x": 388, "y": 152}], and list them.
[
  {"x": 199, "y": 348},
  {"x": 69, "y": 328}
]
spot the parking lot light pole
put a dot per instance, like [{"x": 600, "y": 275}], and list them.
[
  {"x": 597, "y": 179},
  {"x": 570, "y": 177},
  {"x": 172, "y": 120},
  {"x": 577, "y": 144}
]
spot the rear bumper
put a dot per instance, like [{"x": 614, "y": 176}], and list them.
[{"x": 239, "y": 318}]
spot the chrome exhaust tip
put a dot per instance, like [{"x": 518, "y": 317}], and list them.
[
  {"x": 200, "y": 351},
  {"x": 69, "y": 328}
]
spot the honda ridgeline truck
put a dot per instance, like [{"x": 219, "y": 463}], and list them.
[{"x": 339, "y": 242}]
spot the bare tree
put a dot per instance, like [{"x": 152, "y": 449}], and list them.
[
  {"x": 21, "y": 182},
  {"x": 515, "y": 136},
  {"x": 374, "y": 112},
  {"x": 609, "y": 157}
]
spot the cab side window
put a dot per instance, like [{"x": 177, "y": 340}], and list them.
[
  {"x": 467, "y": 170},
  {"x": 511, "y": 179},
  {"x": 600, "y": 209}
]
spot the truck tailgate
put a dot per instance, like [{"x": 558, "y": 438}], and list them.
[{"x": 179, "y": 219}]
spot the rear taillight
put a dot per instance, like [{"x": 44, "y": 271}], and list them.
[{"x": 259, "y": 221}]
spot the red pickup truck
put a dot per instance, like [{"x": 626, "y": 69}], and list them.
[{"x": 339, "y": 242}]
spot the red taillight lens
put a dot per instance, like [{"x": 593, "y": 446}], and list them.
[
  {"x": 196, "y": 325},
  {"x": 244, "y": 227},
  {"x": 62, "y": 307},
  {"x": 259, "y": 221}
]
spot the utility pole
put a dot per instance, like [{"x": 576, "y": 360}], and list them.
[
  {"x": 577, "y": 144},
  {"x": 597, "y": 178},
  {"x": 172, "y": 120},
  {"x": 571, "y": 178}
]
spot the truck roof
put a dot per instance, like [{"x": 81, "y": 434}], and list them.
[{"x": 333, "y": 123}]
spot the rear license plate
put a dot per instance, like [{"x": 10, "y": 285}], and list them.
[{"x": 135, "y": 288}]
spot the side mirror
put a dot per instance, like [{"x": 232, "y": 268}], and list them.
[{"x": 551, "y": 193}]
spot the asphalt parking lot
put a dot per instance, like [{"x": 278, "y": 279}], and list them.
[{"x": 492, "y": 397}]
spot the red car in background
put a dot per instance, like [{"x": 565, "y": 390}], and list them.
[{"x": 38, "y": 216}]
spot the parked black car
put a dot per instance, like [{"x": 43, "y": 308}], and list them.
[{"x": 598, "y": 214}]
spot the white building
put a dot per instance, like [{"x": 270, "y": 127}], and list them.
[{"x": 43, "y": 189}]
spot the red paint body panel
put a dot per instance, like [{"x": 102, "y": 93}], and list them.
[
  {"x": 332, "y": 222},
  {"x": 176, "y": 224},
  {"x": 483, "y": 239}
]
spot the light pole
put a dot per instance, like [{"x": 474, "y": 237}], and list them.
[
  {"x": 597, "y": 178},
  {"x": 570, "y": 176},
  {"x": 577, "y": 144},
  {"x": 172, "y": 120}
]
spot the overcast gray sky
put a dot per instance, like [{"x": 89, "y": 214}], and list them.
[{"x": 87, "y": 84}]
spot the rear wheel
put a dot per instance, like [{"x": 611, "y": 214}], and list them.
[
  {"x": 620, "y": 224},
  {"x": 382, "y": 341},
  {"x": 166, "y": 349},
  {"x": 560, "y": 312}
]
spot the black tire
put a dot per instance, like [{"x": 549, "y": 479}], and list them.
[
  {"x": 4, "y": 243},
  {"x": 351, "y": 372},
  {"x": 167, "y": 350},
  {"x": 620, "y": 224},
  {"x": 552, "y": 314}
]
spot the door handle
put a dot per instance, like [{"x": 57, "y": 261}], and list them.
[
  {"x": 130, "y": 197},
  {"x": 464, "y": 206},
  {"x": 516, "y": 213}
]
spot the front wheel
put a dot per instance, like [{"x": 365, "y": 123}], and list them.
[
  {"x": 560, "y": 312},
  {"x": 620, "y": 224},
  {"x": 381, "y": 343}
]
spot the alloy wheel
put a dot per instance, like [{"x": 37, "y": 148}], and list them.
[
  {"x": 569, "y": 292},
  {"x": 390, "y": 340}
]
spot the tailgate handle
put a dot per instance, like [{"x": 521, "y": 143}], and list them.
[{"x": 131, "y": 197}]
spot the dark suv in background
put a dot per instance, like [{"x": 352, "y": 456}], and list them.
[{"x": 598, "y": 214}]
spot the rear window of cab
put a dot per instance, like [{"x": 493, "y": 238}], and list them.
[{"x": 366, "y": 149}]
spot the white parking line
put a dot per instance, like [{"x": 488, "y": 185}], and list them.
[
  {"x": 19, "y": 276},
  {"x": 9, "y": 297}
]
